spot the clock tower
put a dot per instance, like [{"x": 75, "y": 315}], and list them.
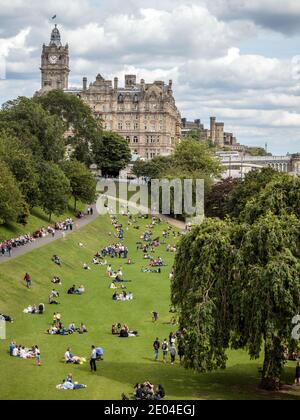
[{"x": 55, "y": 64}]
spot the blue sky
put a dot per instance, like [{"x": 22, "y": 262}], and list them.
[{"x": 235, "y": 59}]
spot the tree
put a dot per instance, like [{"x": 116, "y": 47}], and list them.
[
  {"x": 194, "y": 157},
  {"x": 280, "y": 196},
  {"x": 216, "y": 198},
  {"x": 250, "y": 187},
  {"x": 156, "y": 168},
  {"x": 237, "y": 286},
  {"x": 111, "y": 154},
  {"x": 55, "y": 189},
  {"x": 82, "y": 182},
  {"x": 36, "y": 129},
  {"x": 21, "y": 163},
  {"x": 84, "y": 128},
  {"x": 12, "y": 203}
]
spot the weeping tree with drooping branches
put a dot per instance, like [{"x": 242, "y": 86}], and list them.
[{"x": 237, "y": 286}]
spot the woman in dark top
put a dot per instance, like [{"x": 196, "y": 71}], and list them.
[{"x": 298, "y": 374}]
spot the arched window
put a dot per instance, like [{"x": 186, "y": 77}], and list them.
[{"x": 121, "y": 99}]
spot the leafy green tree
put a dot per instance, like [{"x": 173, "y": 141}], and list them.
[
  {"x": 84, "y": 128},
  {"x": 217, "y": 197},
  {"x": 111, "y": 154},
  {"x": 156, "y": 168},
  {"x": 238, "y": 286},
  {"x": 37, "y": 130},
  {"x": 247, "y": 189},
  {"x": 12, "y": 203},
  {"x": 55, "y": 189},
  {"x": 82, "y": 181},
  {"x": 21, "y": 163},
  {"x": 194, "y": 157},
  {"x": 280, "y": 196}
]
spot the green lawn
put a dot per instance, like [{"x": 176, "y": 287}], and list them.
[{"x": 127, "y": 361}]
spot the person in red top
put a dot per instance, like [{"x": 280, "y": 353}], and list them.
[{"x": 27, "y": 278}]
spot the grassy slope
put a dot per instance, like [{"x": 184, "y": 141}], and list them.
[
  {"x": 37, "y": 219},
  {"x": 127, "y": 361}
]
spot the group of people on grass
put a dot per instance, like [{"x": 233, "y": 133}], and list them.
[
  {"x": 58, "y": 328},
  {"x": 25, "y": 353},
  {"x": 35, "y": 309},
  {"x": 114, "y": 251},
  {"x": 122, "y": 297},
  {"x": 76, "y": 290},
  {"x": 172, "y": 347},
  {"x": 147, "y": 391},
  {"x": 123, "y": 332}
]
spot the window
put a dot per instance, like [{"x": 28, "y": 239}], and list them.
[
  {"x": 120, "y": 126},
  {"x": 136, "y": 126},
  {"x": 135, "y": 139},
  {"x": 128, "y": 139},
  {"x": 128, "y": 126}
]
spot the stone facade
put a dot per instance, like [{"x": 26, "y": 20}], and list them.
[
  {"x": 144, "y": 114},
  {"x": 216, "y": 133}
]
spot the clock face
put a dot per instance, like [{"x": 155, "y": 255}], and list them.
[{"x": 53, "y": 59}]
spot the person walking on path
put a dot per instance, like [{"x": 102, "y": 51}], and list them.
[
  {"x": 173, "y": 353},
  {"x": 156, "y": 346},
  {"x": 93, "y": 360},
  {"x": 27, "y": 279},
  {"x": 165, "y": 349}
]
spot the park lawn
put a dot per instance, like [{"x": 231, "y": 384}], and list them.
[
  {"x": 37, "y": 219},
  {"x": 127, "y": 361}
]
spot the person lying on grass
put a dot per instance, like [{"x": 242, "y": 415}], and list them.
[
  {"x": 159, "y": 262},
  {"x": 115, "y": 285},
  {"x": 34, "y": 310},
  {"x": 6, "y": 318},
  {"x": 86, "y": 267},
  {"x": 153, "y": 271},
  {"x": 71, "y": 359},
  {"x": 67, "y": 385},
  {"x": 76, "y": 290}
]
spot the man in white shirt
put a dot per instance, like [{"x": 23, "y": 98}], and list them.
[{"x": 93, "y": 360}]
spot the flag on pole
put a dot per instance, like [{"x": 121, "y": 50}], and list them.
[{"x": 54, "y": 17}]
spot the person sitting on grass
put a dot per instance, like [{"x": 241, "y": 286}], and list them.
[
  {"x": 56, "y": 259},
  {"x": 71, "y": 359},
  {"x": 86, "y": 267},
  {"x": 80, "y": 291},
  {"x": 56, "y": 280}
]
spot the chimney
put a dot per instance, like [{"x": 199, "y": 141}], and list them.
[
  {"x": 130, "y": 81},
  {"x": 85, "y": 80},
  {"x": 116, "y": 83},
  {"x": 170, "y": 84},
  {"x": 143, "y": 84}
]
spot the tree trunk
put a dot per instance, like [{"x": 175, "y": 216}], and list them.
[
  {"x": 50, "y": 217},
  {"x": 75, "y": 204},
  {"x": 273, "y": 364}
]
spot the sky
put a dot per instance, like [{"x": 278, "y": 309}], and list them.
[{"x": 238, "y": 60}]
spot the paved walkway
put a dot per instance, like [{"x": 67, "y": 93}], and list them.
[
  {"x": 79, "y": 224},
  {"x": 38, "y": 243}
]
